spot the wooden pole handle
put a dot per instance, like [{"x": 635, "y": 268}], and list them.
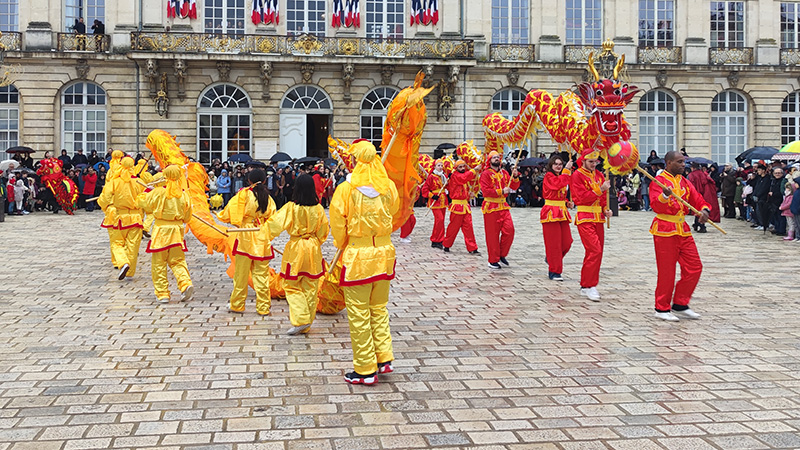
[
  {"x": 608, "y": 199},
  {"x": 684, "y": 202}
]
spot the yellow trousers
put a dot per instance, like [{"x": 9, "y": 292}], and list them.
[
  {"x": 125, "y": 247},
  {"x": 149, "y": 219},
  {"x": 110, "y": 240},
  {"x": 175, "y": 260},
  {"x": 243, "y": 269},
  {"x": 369, "y": 325},
  {"x": 301, "y": 294}
]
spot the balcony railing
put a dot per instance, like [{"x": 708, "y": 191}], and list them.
[
  {"x": 512, "y": 52},
  {"x": 303, "y": 45},
  {"x": 71, "y": 42},
  {"x": 660, "y": 55},
  {"x": 11, "y": 41},
  {"x": 579, "y": 53},
  {"x": 790, "y": 56},
  {"x": 737, "y": 55}
]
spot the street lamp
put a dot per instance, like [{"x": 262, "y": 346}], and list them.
[{"x": 162, "y": 103}]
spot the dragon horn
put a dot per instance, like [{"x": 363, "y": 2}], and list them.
[
  {"x": 592, "y": 70},
  {"x": 618, "y": 67}
]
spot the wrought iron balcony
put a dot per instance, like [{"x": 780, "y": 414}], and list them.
[
  {"x": 512, "y": 52},
  {"x": 790, "y": 56},
  {"x": 302, "y": 45},
  {"x": 11, "y": 41},
  {"x": 660, "y": 55},
  {"x": 580, "y": 53},
  {"x": 733, "y": 55},
  {"x": 72, "y": 42}
]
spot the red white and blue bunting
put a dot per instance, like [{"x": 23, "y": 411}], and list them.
[
  {"x": 182, "y": 9},
  {"x": 424, "y": 12},
  {"x": 265, "y": 11},
  {"x": 346, "y": 13}
]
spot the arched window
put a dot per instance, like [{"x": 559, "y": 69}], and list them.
[
  {"x": 728, "y": 126},
  {"x": 83, "y": 118},
  {"x": 224, "y": 118},
  {"x": 790, "y": 125},
  {"x": 373, "y": 113},
  {"x": 306, "y": 97},
  {"x": 657, "y": 123},
  {"x": 508, "y": 102},
  {"x": 9, "y": 117}
]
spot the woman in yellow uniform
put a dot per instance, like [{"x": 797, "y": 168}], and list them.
[
  {"x": 110, "y": 212},
  {"x": 251, "y": 207},
  {"x": 127, "y": 226},
  {"x": 361, "y": 223},
  {"x": 171, "y": 208},
  {"x": 302, "y": 265}
]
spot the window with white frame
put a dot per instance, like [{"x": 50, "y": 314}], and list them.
[
  {"x": 9, "y": 15},
  {"x": 224, "y": 118},
  {"x": 224, "y": 16},
  {"x": 584, "y": 22},
  {"x": 83, "y": 118},
  {"x": 727, "y": 24},
  {"x": 790, "y": 25},
  {"x": 656, "y": 18},
  {"x": 305, "y": 16},
  {"x": 90, "y": 10},
  {"x": 657, "y": 123},
  {"x": 728, "y": 126},
  {"x": 9, "y": 118},
  {"x": 790, "y": 118},
  {"x": 373, "y": 113},
  {"x": 510, "y": 21},
  {"x": 385, "y": 19},
  {"x": 508, "y": 102}
]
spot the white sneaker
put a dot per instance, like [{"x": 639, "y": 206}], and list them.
[
  {"x": 25, "y": 212},
  {"x": 123, "y": 271},
  {"x": 668, "y": 316},
  {"x": 297, "y": 330},
  {"x": 686, "y": 314},
  {"x": 187, "y": 293},
  {"x": 759, "y": 228},
  {"x": 591, "y": 293},
  {"x": 405, "y": 240},
  {"x": 164, "y": 300}
]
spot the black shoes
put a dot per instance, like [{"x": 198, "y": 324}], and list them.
[
  {"x": 123, "y": 271},
  {"x": 494, "y": 266},
  {"x": 385, "y": 367},
  {"x": 503, "y": 260},
  {"x": 354, "y": 378},
  {"x": 446, "y": 249},
  {"x": 475, "y": 252},
  {"x": 436, "y": 245}
]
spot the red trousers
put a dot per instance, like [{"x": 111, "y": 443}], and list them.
[
  {"x": 669, "y": 251},
  {"x": 593, "y": 237},
  {"x": 408, "y": 227},
  {"x": 461, "y": 222},
  {"x": 499, "y": 231},
  {"x": 437, "y": 235},
  {"x": 557, "y": 241}
]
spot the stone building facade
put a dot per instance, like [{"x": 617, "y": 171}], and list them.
[{"x": 717, "y": 77}]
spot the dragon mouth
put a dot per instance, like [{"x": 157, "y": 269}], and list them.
[{"x": 609, "y": 120}]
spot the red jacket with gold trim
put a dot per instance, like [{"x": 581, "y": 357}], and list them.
[
  {"x": 670, "y": 213},
  {"x": 586, "y": 193}
]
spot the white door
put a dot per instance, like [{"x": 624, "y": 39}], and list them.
[{"x": 293, "y": 135}]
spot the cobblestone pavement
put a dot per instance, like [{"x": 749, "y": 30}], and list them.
[{"x": 501, "y": 359}]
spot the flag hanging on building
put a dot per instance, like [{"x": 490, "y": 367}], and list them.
[
  {"x": 417, "y": 12},
  {"x": 352, "y": 17},
  {"x": 193, "y": 9},
  {"x": 171, "y": 8},
  {"x": 271, "y": 12},
  {"x": 431, "y": 15},
  {"x": 258, "y": 11},
  {"x": 338, "y": 13}
]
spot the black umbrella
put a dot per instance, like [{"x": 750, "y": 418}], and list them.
[
  {"x": 80, "y": 166},
  {"x": 240, "y": 158},
  {"x": 446, "y": 146},
  {"x": 657, "y": 161},
  {"x": 307, "y": 160},
  {"x": 699, "y": 160},
  {"x": 532, "y": 162},
  {"x": 756, "y": 153},
  {"x": 331, "y": 162},
  {"x": 20, "y": 149},
  {"x": 280, "y": 156},
  {"x": 254, "y": 163}
]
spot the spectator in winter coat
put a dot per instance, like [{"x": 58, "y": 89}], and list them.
[
  {"x": 224, "y": 187},
  {"x": 79, "y": 158},
  {"x": 66, "y": 161},
  {"x": 89, "y": 184},
  {"x": 728, "y": 189}
]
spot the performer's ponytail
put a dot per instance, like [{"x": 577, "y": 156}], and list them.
[{"x": 257, "y": 177}]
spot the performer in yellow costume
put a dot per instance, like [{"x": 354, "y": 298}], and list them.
[
  {"x": 249, "y": 208},
  {"x": 171, "y": 208},
  {"x": 126, "y": 236},
  {"x": 110, "y": 212},
  {"x": 302, "y": 265},
  {"x": 361, "y": 223}
]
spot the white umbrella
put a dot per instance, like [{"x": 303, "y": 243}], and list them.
[{"x": 5, "y": 165}]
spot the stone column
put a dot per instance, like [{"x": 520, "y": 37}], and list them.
[
  {"x": 764, "y": 31},
  {"x": 449, "y": 18},
  {"x": 120, "y": 22},
  {"x": 154, "y": 14},
  {"x": 697, "y": 25},
  {"x": 626, "y": 29},
  {"x": 552, "y": 25},
  {"x": 38, "y": 21}
]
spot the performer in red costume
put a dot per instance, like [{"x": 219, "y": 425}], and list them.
[
  {"x": 555, "y": 217},
  {"x": 588, "y": 188},
  {"x": 437, "y": 201},
  {"x": 673, "y": 240},
  {"x": 410, "y": 223},
  {"x": 496, "y": 184},
  {"x": 460, "y": 212}
]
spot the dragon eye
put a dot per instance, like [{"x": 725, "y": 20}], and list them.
[
  {"x": 599, "y": 92},
  {"x": 616, "y": 92}
]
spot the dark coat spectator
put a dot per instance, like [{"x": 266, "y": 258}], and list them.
[
  {"x": 66, "y": 161},
  {"x": 80, "y": 26},
  {"x": 79, "y": 158}
]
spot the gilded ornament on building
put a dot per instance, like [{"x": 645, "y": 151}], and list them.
[
  {"x": 513, "y": 76},
  {"x": 444, "y": 101},
  {"x": 387, "y": 71},
  {"x": 427, "y": 69},
  {"x": 307, "y": 44},
  {"x": 266, "y": 77},
  {"x": 180, "y": 75},
  {"x": 162, "y": 98},
  {"x": 348, "y": 75},
  {"x": 151, "y": 74},
  {"x": 307, "y": 70},
  {"x": 389, "y": 49},
  {"x": 82, "y": 68},
  {"x": 266, "y": 44},
  {"x": 348, "y": 47},
  {"x": 224, "y": 69}
]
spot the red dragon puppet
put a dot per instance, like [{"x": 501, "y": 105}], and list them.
[{"x": 64, "y": 189}]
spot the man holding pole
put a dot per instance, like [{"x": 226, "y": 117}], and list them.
[
  {"x": 588, "y": 187},
  {"x": 460, "y": 212},
  {"x": 361, "y": 224},
  {"x": 121, "y": 194},
  {"x": 496, "y": 184},
  {"x": 673, "y": 240},
  {"x": 433, "y": 189}
]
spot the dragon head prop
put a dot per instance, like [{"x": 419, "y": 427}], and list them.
[{"x": 605, "y": 99}]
